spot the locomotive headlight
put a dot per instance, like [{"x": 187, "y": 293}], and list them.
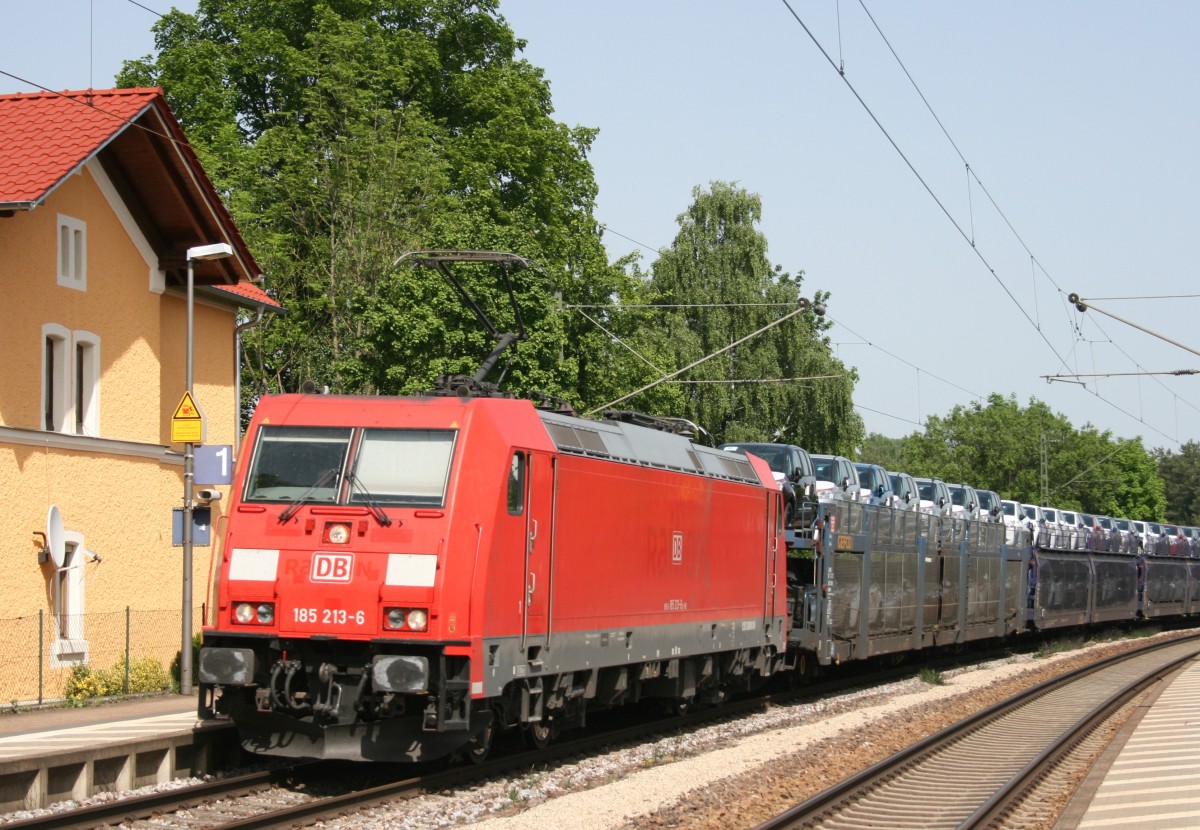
[
  {"x": 337, "y": 534},
  {"x": 248, "y": 613},
  {"x": 417, "y": 619},
  {"x": 411, "y": 619}
]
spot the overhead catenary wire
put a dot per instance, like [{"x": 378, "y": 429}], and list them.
[
  {"x": 888, "y": 415},
  {"x": 861, "y": 341},
  {"x": 90, "y": 104},
  {"x": 1033, "y": 259},
  {"x": 945, "y": 211},
  {"x": 604, "y": 227},
  {"x": 1135, "y": 362},
  {"x": 609, "y": 229},
  {"x": 1152, "y": 297},
  {"x": 623, "y": 306},
  {"x": 1084, "y": 304},
  {"x": 621, "y": 341},
  {"x": 804, "y": 306},
  {"x": 147, "y": 8},
  {"x": 867, "y": 342},
  {"x": 732, "y": 381},
  {"x": 925, "y": 184},
  {"x": 1179, "y": 372}
]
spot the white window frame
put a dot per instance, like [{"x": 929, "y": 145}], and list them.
[
  {"x": 72, "y": 252},
  {"x": 85, "y": 400},
  {"x": 71, "y": 391},
  {"x": 67, "y": 596},
  {"x": 56, "y": 382}
]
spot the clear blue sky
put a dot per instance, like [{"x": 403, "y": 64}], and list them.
[{"x": 1080, "y": 118}]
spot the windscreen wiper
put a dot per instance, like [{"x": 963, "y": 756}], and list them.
[
  {"x": 369, "y": 500},
  {"x": 324, "y": 480}
]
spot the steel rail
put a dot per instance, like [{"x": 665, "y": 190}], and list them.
[
  {"x": 1023, "y": 783},
  {"x": 144, "y": 806},
  {"x": 136, "y": 808},
  {"x": 821, "y": 810}
]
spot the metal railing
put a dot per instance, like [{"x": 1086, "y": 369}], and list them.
[{"x": 120, "y": 652}]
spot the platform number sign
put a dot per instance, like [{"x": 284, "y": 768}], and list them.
[
  {"x": 214, "y": 464},
  {"x": 677, "y": 548}
]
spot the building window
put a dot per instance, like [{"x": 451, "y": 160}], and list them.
[
  {"x": 72, "y": 253},
  {"x": 69, "y": 645},
  {"x": 56, "y": 377},
  {"x": 87, "y": 384},
  {"x": 70, "y": 381}
]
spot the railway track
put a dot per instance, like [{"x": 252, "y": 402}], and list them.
[
  {"x": 303, "y": 794},
  {"x": 297, "y": 795},
  {"x": 973, "y": 774}
]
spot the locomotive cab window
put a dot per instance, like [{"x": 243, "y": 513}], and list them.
[
  {"x": 516, "y": 484},
  {"x": 294, "y": 462},
  {"x": 403, "y": 466}
]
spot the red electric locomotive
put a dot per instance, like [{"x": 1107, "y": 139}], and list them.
[{"x": 402, "y": 577}]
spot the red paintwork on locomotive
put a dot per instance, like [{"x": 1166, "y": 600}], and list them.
[{"x": 616, "y": 546}]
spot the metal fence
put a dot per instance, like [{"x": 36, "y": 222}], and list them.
[{"x": 40, "y": 652}]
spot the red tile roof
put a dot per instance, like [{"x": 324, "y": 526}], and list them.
[
  {"x": 251, "y": 292},
  {"x": 45, "y": 136}
]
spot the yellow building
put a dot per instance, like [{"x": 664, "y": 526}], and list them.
[{"x": 101, "y": 198}]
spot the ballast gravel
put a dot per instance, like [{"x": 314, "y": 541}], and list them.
[{"x": 734, "y": 774}]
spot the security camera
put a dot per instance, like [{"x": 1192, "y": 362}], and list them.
[{"x": 208, "y": 495}]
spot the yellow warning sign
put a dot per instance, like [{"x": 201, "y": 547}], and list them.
[{"x": 187, "y": 424}]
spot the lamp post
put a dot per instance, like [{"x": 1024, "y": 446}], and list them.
[{"x": 218, "y": 250}]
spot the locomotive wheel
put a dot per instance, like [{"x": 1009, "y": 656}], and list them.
[
  {"x": 480, "y": 746},
  {"x": 679, "y": 706},
  {"x": 539, "y": 734}
]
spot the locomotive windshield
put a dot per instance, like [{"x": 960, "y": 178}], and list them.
[
  {"x": 289, "y": 461},
  {"x": 389, "y": 466},
  {"x": 403, "y": 466}
]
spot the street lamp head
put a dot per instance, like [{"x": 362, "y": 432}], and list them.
[{"x": 217, "y": 250}]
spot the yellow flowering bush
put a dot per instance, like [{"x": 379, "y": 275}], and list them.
[
  {"x": 84, "y": 682},
  {"x": 146, "y": 674}
]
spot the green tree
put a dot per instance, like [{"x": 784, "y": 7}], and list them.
[
  {"x": 998, "y": 446},
  {"x": 882, "y": 450},
  {"x": 714, "y": 286},
  {"x": 1181, "y": 477},
  {"x": 346, "y": 132}
]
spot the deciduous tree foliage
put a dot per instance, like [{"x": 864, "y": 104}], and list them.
[
  {"x": 883, "y": 450},
  {"x": 998, "y": 446},
  {"x": 346, "y": 132},
  {"x": 1181, "y": 477},
  {"x": 714, "y": 286}
]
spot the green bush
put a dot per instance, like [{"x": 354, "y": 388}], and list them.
[
  {"x": 84, "y": 682},
  {"x": 146, "y": 674},
  {"x": 932, "y": 676},
  {"x": 197, "y": 641}
]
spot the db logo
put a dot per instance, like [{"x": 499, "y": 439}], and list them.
[{"x": 332, "y": 567}]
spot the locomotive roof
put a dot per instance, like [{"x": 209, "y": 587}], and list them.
[
  {"x": 644, "y": 446},
  {"x": 616, "y": 440}
]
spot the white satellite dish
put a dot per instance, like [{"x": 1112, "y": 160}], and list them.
[{"x": 54, "y": 536}]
